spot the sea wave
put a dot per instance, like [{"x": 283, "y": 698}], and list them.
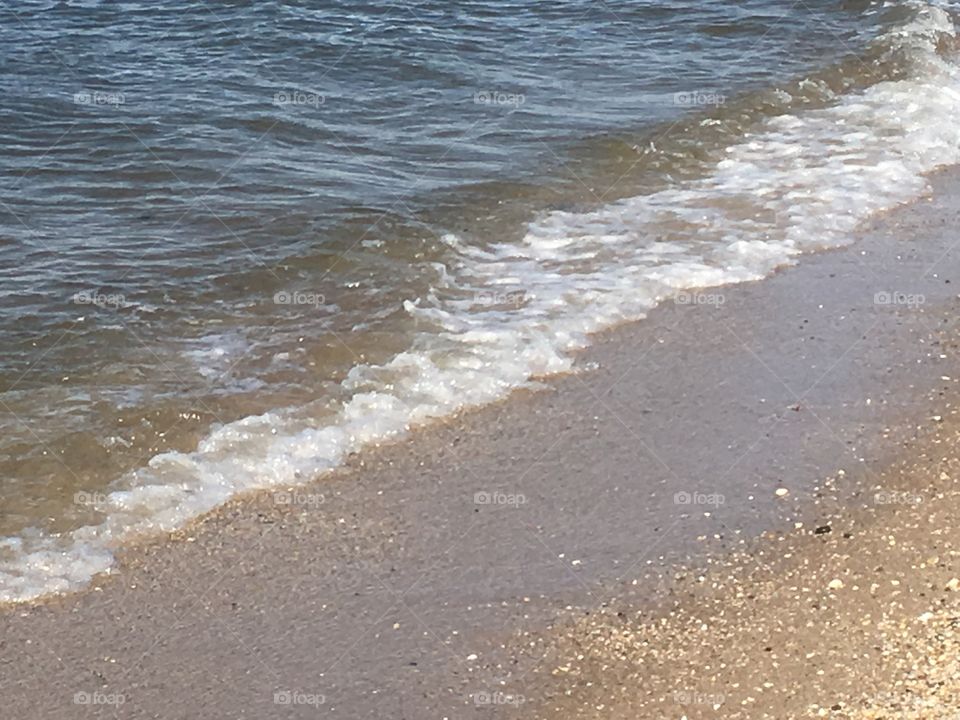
[{"x": 502, "y": 314}]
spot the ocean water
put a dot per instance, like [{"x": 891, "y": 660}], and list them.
[{"x": 239, "y": 241}]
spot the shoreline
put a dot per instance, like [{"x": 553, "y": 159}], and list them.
[{"x": 401, "y": 583}]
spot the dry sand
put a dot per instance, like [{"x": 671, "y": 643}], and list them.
[
  {"x": 449, "y": 575},
  {"x": 857, "y": 617}
]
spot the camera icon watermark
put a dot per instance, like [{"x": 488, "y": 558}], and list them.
[
  {"x": 699, "y": 98},
  {"x": 892, "y": 497},
  {"x": 686, "y": 297},
  {"x": 287, "y": 98},
  {"x": 498, "y": 98},
  {"x": 99, "y": 98},
  {"x": 293, "y": 297},
  {"x": 493, "y": 298},
  {"x": 497, "y": 698},
  {"x": 896, "y": 297},
  {"x": 294, "y": 697},
  {"x": 98, "y": 698},
  {"x": 697, "y": 498},
  {"x": 90, "y": 499},
  {"x": 694, "y": 697},
  {"x": 295, "y": 498},
  {"x": 111, "y": 301},
  {"x": 499, "y": 498}
]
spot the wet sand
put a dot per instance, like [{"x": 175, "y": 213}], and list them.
[{"x": 447, "y": 575}]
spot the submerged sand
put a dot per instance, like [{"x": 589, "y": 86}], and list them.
[{"x": 542, "y": 557}]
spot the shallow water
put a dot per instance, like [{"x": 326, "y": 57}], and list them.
[{"x": 238, "y": 243}]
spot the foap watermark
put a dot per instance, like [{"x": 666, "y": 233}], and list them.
[
  {"x": 98, "y": 698},
  {"x": 499, "y": 98},
  {"x": 896, "y": 297},
  {"x": 295, "y": 697},
  {"x": 896, "y": 497},
  {"x": 695, "y": 697},
  {"x": 485, "y": 698},
  {"x": 296, "y": 498},
  {"x": 491, "y": 297},
  {"x": 112, "y": 301},
  {"x": 298, "y": 98},
  {"x": 499, "y": 498},
  {"x": 687, "y": 297},
  {"x": 99, "y": 98},
  {"x": 699, "y": 98},
  {"x": 295, "y": 297},
  {"x": 90, "y": 499},
  {"x": 698, "y": 498}
]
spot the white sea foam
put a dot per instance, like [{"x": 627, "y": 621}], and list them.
[{"x": 800, "y": 183}]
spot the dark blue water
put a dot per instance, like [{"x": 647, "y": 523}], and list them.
[{"x": 140, "y": 137}]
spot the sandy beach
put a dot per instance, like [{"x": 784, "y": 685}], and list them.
[
  {"x": 856, "y": 617},
  {"x": 514, "y": 360},
  {"x": 688, "y": 527}
]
